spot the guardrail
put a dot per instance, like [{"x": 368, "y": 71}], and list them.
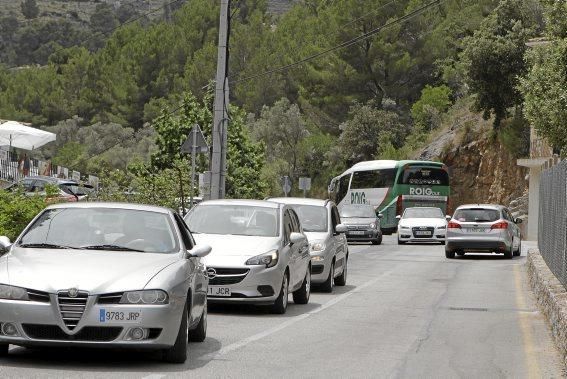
[{"x": 552, "y": 228}]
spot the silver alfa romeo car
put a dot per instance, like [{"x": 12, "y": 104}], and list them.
[
  {"x": 104, "y": 275},
  {"x": 260, "y": 253}
]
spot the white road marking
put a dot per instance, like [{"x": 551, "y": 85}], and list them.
[{"x": 246, "y": 341}]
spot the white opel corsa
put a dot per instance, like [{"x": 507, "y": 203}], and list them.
[
  {"x": 260, "y": 253},
  {"x": 104, "y": 275}
]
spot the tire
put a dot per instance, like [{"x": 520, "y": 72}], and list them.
[
  {"x": 443, "y": 243},
  {"x": 327, "y": 285},
  {"x": 341, "y": 280},
  {"x": 378, "y": 240},
  {"x": 301, "y": 296},
  {"x": 4, "y": 350},
  {"x": 178, "y": 352},
  {"x": 200, "y": 332},
  {"x": 280, "y": 305},
  {"x": 510, "y": 253},
  {"x": 449, "y": 254},
  {"x": 518, "y": 252}
]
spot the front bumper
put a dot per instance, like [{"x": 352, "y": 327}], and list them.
[
  {"x": 363, "y": 235},
  {"x": 41, "y": 324},
  {"x": 261, "y": 285},
  {"x": 410, "y": 235}
]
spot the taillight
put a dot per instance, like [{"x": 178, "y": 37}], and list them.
[
  {"x": 500, "y": 225},
  {"x": 453, "y": 225},
  {"x": 399, "y": 205}
]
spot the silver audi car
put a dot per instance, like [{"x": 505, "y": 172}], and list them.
[
  {"x": 260, "y": 253},
  {"x": 104, "y": 275},
  {"x": 483, "y": 228},
  {"x": 328, "y": 245}
]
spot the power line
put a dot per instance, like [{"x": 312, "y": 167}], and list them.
[
  {"x": 129, "y": 21},
  {"x": 374, "y": 12},
  {"x": 348, "y": 43}
]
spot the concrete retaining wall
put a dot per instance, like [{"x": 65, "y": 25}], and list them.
[{"x": 551, "y": 297}]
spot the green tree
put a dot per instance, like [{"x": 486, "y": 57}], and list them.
[
  {"x": 545, "y": 92},
  {"x": 494, "y": 59},
  {"x": 30, "y": 10},
  {"x": 103, "y": 19},
  {"x": 433, "y": 101}
]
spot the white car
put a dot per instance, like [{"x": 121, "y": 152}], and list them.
[
  {"x": 260, "y": 253},
  {"x": 422, "y": 224}
]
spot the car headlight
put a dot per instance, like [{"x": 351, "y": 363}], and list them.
[
  {"x": 317, "y": 258},
  {"x": 373, "y": 225},
  {"x": 13, "y": 293},
  {"x": 270, "y": 259},
  {"x": 404, "y": 227},
  {"x": 442, "y": 227},
  {"x": 318, "y": 246},
  {"x": 145, "y": 297}
]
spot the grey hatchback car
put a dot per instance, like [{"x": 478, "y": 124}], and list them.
[
  {"x": 327, "y": 241},
  {"x": 483, "y": 228}
]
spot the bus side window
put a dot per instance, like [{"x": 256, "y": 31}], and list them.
[{"x": 343, "y": 188}]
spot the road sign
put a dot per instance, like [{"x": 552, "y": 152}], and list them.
[
  {"x": 304, "y": 183},
  {"x": 286, "y": 185},
  {"x": 196, "y": 139}
]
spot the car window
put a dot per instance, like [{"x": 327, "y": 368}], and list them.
[
  {"x": 313, "y": 217},
  {"x": 358, "y": 210},
  {"x": 343, "y": 187},
  {"x": 295, "y": 225},
  {"x": 335, "y": 218},
  {"x": 184, "y": 230},
  {"x": 476, "y": 215},
  {"x": 287, "y": 226},
  {"x": 38, "y": 186},
  {"x": 27, "y": 184},
  {"x": 423, "y": 213}
]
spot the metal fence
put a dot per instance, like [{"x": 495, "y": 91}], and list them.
[{"x": 552, "y": 228}]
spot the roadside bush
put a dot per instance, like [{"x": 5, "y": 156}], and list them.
[{"x": 17, "y": 210}]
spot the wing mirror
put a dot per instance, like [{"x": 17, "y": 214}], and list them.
[
  {"x": 448, "y": 217},
  {"x": 5, "y": 244},
  {"x": 341, "y": 228},
  {"x": 296, "y": 238},
  {"x": 518, "y": 220},
  {"x": 380, "y": 215},
  {"x": 199, "y": 251},
  {"x": 398, "y": 217}
]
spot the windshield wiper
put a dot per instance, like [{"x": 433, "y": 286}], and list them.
[
  {"x": 46, "y": 246},
  {"x": 110, "y": 247}
]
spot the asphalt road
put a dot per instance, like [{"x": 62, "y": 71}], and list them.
[{"x": 406, "y": 312}]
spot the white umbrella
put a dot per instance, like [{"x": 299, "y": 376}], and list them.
[{"x": 14, "y": 134}]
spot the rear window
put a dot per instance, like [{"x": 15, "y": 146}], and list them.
[
  {"x": 424, "y": 176},
  {"x": 476, "y": 215},
  {"x": 373, "y": 178}
]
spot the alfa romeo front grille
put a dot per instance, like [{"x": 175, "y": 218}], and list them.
[{"x": 72, "y": 308}]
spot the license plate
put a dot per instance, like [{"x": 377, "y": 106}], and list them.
[
  {"x": 422, "y": 233},
  {"x": 477, "y": 230},
  {"x": 357, "y": 232},
  {"x": 219, "y": 291},
  {"x": 107, "y": 316}
]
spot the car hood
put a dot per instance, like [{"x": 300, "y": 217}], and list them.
[
  {"x": 436, "y": 222},
  {"x": 357, "y": 220},
  {"x": 52, "y": 270},
  {"x": 231, "y": 250}
]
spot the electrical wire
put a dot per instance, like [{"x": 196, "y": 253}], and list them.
[
  {"x": 374, "y": 12},
  {"x": 343, "y": 45}
]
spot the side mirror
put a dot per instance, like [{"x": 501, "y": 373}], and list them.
[
  {"x": 398, "y": 217},
  {"x": 341, "y": 228},
  {"x": 380, "y": 215},
  {"x": 5, "y": 244},
  {"x": 448, "y": 217},
  {"x": 518, "y": 220},
  {"x": 199, "y": 251},
  {"x": 296, "y": 238}
]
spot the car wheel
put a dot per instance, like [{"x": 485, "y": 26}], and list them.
[
  {"x": 509, "y": 253},
  {"x": 518, "y": 252},
  {"x": 449, "y": 254},
  {"x": 200, "y": 332},
  {"x": 328, "y": 284},
  {"x": 178, "y": 352},
  {"x": 4, "y": 349},
  {"x": 442, "y": 242},
  {"x": 280, "y": 305},
  {"x": 301, "y": 296},
  {"x": 341, "y": 280}
]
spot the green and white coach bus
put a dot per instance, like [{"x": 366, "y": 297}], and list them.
[{"x": 391, "y": 186}]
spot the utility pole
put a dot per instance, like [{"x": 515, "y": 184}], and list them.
[{"x": 218, "y": 164}]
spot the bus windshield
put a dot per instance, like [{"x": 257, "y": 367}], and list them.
[
  {"x": 373, "y": 178},
  {"x": 424, "y": 176}
]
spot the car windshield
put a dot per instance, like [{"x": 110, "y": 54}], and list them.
[
  {"x": 102, "y": 229},
  {"x": 423, "y": 213},
  {"x": 313, "y": 218},
  {"x": 242, "y": 220},
  {"x": 365, "y": 211},
  {"x": 476, "y": 215}
]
